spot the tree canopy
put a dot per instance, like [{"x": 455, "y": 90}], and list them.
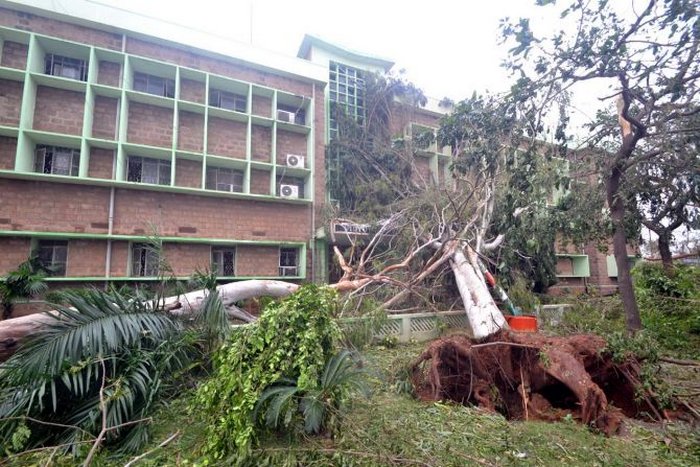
[{"x": 649, "y": 58}]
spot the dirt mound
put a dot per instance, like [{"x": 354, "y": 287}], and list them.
[{"x": 531, "y": 376}]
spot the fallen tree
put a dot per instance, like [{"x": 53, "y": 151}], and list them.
[
  {"x": 535, "y": 377},
  {"x": 441, "y": 244}
]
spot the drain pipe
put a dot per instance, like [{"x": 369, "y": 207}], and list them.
[
  {"x": 110, "y": 225},
  {"x": 313, "y": 187}
]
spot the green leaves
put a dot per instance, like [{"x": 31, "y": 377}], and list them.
[
  {"x": 319, "y": 405},
  {"x": 273, "y": 360},
  {"x": 102, "y": 342}
]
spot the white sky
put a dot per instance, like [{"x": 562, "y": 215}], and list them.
[{"x": 448, "y": 48}]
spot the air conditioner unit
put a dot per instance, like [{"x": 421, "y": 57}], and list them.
[
  {"x": 289, "y": 191},
  {"x": 285, "y": 116},
  {"x": 296, "y": 161},
  {"x": 224, "y": 187}
]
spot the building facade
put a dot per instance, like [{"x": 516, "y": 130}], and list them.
[
  {"x": 112, "y": 135},
  {"x": 109, "y": 138}
]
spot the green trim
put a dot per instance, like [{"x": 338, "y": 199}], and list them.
[
  {"x": 96, "y": 236},
  {"x": 310, "y": 41},
  {"x": 153, "y": 279},
  {"x": 33, "y": 76},
  {"x": 580, "y": 265},
  {"x": 612, "y": 264},
  {"x": 31, "y": 176}
]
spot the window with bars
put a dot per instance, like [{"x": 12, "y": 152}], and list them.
[
  {"x": 53, "y": 255},
  {"x": 155, "y": 85},
  {"x": 148, "y": 170},
  {"x": 228, "y": 100},
  {"x": 65, "y": 67},
  {"x": 56, "y": 160},
  {"x": 223, "y": 261},
  {"x": 144, "y": 260},
  {"x": 346, "y": 90},
  {"x": 222, "y": 179},
  {"x": 289, "y": 262}
]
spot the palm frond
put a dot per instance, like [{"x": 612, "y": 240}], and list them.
[
  {"x": 212, "y": 315},
  {"x": 98, "y": 324},
  {"x": 341, "y": 371},
  {"x": 278, "y": 401},
  {"x": 314, "y": 411}
]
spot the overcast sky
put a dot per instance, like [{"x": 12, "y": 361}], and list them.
[{"x": 448, "y": 48}]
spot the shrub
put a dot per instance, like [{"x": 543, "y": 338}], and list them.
[
  {"x": 292, "y": 341},
  {"x": 669, "y": 305}
]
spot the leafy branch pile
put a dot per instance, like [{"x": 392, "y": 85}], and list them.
[{"x": 289, "y": 344}]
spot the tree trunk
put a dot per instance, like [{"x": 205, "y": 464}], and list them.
[
  {"x": 665, "y": 252},
  {"x": 482, "y": 313},
  {"x": 14, "y": 331},
  {"x": 624, "y": 279}
]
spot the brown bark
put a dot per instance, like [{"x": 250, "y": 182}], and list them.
[
  {"x": 624, "y": 279},
  {"x": 665, "y": 252},
  {"x": 632, "y": 132}
]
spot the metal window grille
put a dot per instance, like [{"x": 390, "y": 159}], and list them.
[
  {"x": 223, "y": 261},
  {"x": 228, "y": 100},
  {"x": 347, "y": 87},
  {"x": 289, "y": 265},
  {"x": 144, "y": 261},
  {"x": 155, "y": 85},
  {"x": 222, "y": 179},
  {"x": 56, "y": 160},
  {"x": 346, "y": 91},
  {"x": 148, "y": 170},
  {"x": 65, "y": 67},
  {"x": 53, "y": 255}
]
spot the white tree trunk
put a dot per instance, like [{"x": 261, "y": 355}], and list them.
[
  {"x": 14, "y": 331},
  {"x": 482, "y": 313},
  {"x": 230, "y": 293}
]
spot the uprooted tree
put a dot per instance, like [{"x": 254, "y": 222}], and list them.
[
  {"x": 422, "y": 232},
  {"x": 649, "y": 58}
]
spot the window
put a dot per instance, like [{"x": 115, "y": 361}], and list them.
[
  {"x": 144, "y": 260},
  {"x": 223, "y": 261},
  {"x": 148, "y": 170},
  {"x": 56, "y": 160},
  {"x": 221, "y": 179},
  {"x": 154, "y": 85},
  {"x": 228, "y": 100},
  {"x": 289, "y": 258},
  {"x": 65, "y": 67},
  {"x": 346, "y": 90},
  {"x": 53, "y": 254}
]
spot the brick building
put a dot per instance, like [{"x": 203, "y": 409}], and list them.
[{"x": 110, "y": 134}]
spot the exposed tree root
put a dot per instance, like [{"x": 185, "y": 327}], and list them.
[{"x": 530, "y": 376}]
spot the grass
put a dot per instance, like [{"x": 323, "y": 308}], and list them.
[{"x": 393, "y": 429}]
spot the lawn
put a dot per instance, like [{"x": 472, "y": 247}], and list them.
[{"x": 391, "y": 428}]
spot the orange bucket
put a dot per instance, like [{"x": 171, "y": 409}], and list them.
[{"x": 523, "y": 323}]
